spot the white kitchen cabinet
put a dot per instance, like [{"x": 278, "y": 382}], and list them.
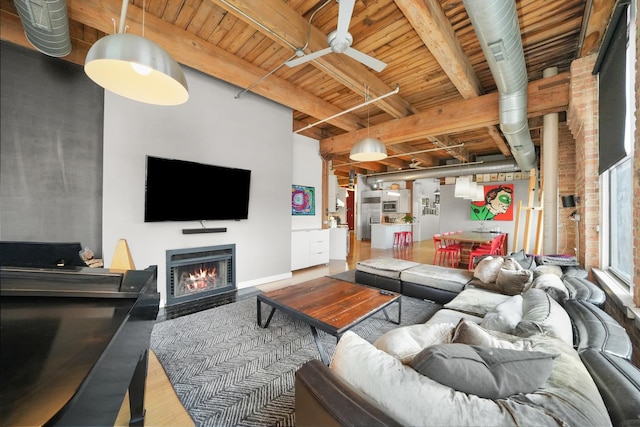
[
  {"x": 404, "y": 201},
  {"x": 309, "y": 248},
  {"x": 338, "y": 243}
]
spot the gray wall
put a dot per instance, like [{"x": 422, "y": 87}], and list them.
[
  {"x": 73, "y": 165},
  {"x": 50, "y": 150},
  {"x": 215, "y": 128}
]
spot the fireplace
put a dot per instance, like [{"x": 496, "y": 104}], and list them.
[{"x": 197, "y": 273}]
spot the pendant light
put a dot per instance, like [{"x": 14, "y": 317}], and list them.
[
  {"x": 368, "y": 149},
  {"x": 136, "y": 68}
]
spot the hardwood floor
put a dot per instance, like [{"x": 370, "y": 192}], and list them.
[{"x": 163, "y": 408}]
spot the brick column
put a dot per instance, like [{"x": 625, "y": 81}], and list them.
[{"x": 582, "y": 119}]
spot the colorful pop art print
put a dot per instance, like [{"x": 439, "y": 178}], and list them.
[
  {"x": 497, "y": 204},
  {"x": 302, "y": 200}
]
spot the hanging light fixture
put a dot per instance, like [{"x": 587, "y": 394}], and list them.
[
  {"x": 368, "y": 149},
  {"x": 136, "y": 68},
  {"x": 462, "y": 186}
]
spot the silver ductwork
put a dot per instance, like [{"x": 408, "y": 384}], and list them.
[
  {"x": 46, "y": 25},
  {"x": 498, "y": 166},
  {"x": 496, "y": 25}
]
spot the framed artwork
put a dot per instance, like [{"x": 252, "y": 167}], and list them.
[
  {"x": 497, "y": 204},
  {"x": 302, "y": 200}
]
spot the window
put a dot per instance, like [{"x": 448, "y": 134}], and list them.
[{"x": 616, "y": 182}]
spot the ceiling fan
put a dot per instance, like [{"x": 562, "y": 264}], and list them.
[
  {"x": 415, "y": 163},
  {"x": 340, "y": 41}
]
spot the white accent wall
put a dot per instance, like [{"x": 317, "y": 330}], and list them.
[
  {"x": 307, "y": 171},
  {"x": 214, "y": 128}
]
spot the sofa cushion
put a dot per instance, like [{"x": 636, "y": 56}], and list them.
[
  {"x": 405, "y": 342},
  {"x": 547, "y": 269},
  {"x": 435, "y": 276},
  {"x": 597, "y": 330},
  {"x": 452, "y": 317},
  {"x": 476, "y": 301},
  {"x": 552, "y": 285},
  {"x": 512, "y": 278},
  {"x": 505, "y": 317},
  {"x": 388, "y": 267},
  {"x": 488, "y": 372},
  {"x": 583, "y": 289},
  {"x": 541, "y": 314},
  {"x": 569, "y": 396},
  {"x": 578, "y": 272},
  {"x": 487, "y": 269}
]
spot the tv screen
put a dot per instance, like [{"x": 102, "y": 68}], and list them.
[{"x": 178, "y": 190}]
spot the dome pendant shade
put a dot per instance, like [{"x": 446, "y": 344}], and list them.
[
  {"x": 368, "y": 150},
  {"x": 110, "y": 61}
]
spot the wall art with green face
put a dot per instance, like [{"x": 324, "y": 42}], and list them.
[{"x": 497, "y": 204}]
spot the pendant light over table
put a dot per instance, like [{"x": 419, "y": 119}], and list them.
[
  {"x": 136, "y": 68},
  {"x": 368, "y": 149}
]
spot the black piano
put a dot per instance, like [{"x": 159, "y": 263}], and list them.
[{"x": 73, "y": 341}]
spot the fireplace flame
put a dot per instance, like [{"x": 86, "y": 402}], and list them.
[{"x": 200, "y": 279}]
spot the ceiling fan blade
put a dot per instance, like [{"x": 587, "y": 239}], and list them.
[
  {"x": 307, "y": 58},
  {"x": 344, "y": 17},
  {"x": 367, "y": 60}
]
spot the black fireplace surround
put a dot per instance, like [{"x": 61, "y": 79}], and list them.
[{"x": 194, "y": 274}]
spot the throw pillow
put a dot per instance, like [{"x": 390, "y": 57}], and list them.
[
  {"x": 541, "y": 314},
  {"x": 505, "y": 317},
  {"x": 475, "y": 301},
  {"x": 467, "y": 332},
  {"x": 492, "y": 373},
  {"x": 512, "y": 278},
  {"x": 487, "y": 269},
  {"x": 552, "y": 285},
  {"x": 527, "y": 262},
  {"x": 405, "y": 342}
]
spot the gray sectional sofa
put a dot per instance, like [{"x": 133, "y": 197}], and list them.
[{"x": 590, "y": 381}]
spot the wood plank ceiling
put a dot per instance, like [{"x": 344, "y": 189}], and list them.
[{"x": 447, "y": 95}]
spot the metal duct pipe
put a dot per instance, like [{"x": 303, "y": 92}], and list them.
[
  {"x": 496, "y": 25},
  {"x": 46, "y": 25},
  {"x": 507, "y": 165}
]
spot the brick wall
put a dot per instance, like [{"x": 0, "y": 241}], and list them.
[
  {"x": 566, "y": 186},
  {"x": 582, "y": 120}
]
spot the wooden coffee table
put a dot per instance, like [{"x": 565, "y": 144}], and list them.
[{"x": 330, "y": 305}]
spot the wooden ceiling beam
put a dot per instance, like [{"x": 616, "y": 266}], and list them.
[
  {"x": 280, "y": 22},
  {"x": 196, "y": 53},
  {"x": 595, "y": 21},
  {"x": 428, "y": 20},
  {"x": 544, "y": 96},
  {"x": 432, "y": 26}
]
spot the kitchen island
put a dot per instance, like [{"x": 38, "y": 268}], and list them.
[{"x": 382, "y": 234}]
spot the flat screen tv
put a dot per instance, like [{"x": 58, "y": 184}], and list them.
[{"x": 179, "y": 190}]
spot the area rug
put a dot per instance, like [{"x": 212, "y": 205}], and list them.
[{"x": 227, "y": 371}]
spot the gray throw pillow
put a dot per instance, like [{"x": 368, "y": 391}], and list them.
[
  {"x": 492, "y": 373},
  {"x": 512, "y": 278}
]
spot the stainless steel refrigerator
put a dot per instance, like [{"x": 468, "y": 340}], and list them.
[{"x": 370, "y": 212}]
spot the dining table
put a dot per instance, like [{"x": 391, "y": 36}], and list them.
[{"x": 471, "y": 239}]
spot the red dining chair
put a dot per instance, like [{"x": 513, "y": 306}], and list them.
[
  {"x": 442, "y": 251},
  {"x": 453, "y": 243},
  {"x": 491, "y": 249}
]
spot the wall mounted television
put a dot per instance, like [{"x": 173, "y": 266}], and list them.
[{"x": 179, "y": 190}]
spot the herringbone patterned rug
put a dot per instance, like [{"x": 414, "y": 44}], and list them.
[{"x": 228, "y": 371}]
